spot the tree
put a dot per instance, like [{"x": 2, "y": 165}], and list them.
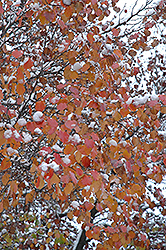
[{"x": 79, "y": 141}]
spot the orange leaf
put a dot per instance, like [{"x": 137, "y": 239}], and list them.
[
  {"x": 39, "y": 183},
  {"x": 5, "y": 164},
  {"x": 54, "y": 179},
  {"x": 68, "y": 188},
  {"x": 90, "y": 37},
  {"x": 126, "y": 154},
  {"x": 115, "y": 237},
  {"x": 116, "y": 116},
  {"x": 118, "y": 53},
  {"x": 20, "y": 89},
  {"x": 5, "y": 178},
  {"x": 13, "y": 186},
  {"x": 40, "y": 106},
  {"x": 89, "y": 234}
]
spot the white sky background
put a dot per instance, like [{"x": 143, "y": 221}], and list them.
[{"x": 128, "y": 5}]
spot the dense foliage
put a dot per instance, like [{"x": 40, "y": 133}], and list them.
[{"x": 81, "y": 125}]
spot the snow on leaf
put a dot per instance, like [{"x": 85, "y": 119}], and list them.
[
  {"x": 70, "y": 124},
  {"x": 28, "y": 64}
]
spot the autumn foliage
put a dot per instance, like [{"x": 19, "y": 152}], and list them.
[{"x": 75, "y": 135}]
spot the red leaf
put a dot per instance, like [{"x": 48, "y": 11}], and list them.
[
  {"x": 86, "y": 180},
  {"x": 17, "y": 53},
  {"x": 164, "y": 161},
  {"x": 163, "y": 99},
  {"x": 115, "y": 32},
  {"x": 53, "y": 124},
  {"x": 152, "y": 103},
  {"x": 99, "y": 207},
  {"x": 73, "y": 178},
  {"x": 49, "y": 15},
  {"x": 88, "y": 205},
  {"x": 40, "y": 106},
  {"x": 136, "y": 71},
  {"x": 47, "y": 149},
  {"x": 123, "y": 228},
  {"x": 64, "y": 136},
  {"x": 143, "y": 237},
  {"x": 79, "y": 171},
  {"x": 28, "y": 64},
  {"x": 57, "y": 158},
  {"x": 89, "y": 143},
  {"x": 62, "y": 106},
  {"x": 94, "y": 136},
  {"x": 70, "y": 124},
  {"x": 85, "y": 161},
  {"x": 65, "y": 179},
  {"x": 95, "y": 175}
]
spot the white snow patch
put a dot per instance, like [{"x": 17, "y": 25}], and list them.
[
  {"x": 113, "y": 143},
  {"x": 75, "y": 138},
  {"x": 67, "y": 2},
  {"x": 66, "y": 160},
  {"x": 38, "y": 131},
  {"x": 77, "y": 66},
  {"x": 57, "y": 148},
  {"x": 75, "y": 204},
  {"x": 38, "y": 116},
  {"x": 26, "y": 137},
  {"x": 44, "y": 166},
  {"x": 11, "y": 151},
  {"x": 16, "y": 134},
  {"x": 8, "y": 134},
  {"x": 22, "y": 122}
]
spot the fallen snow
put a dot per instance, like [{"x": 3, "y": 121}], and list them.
[{"x": 77, "y": 66}]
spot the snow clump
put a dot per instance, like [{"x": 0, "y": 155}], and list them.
[
  {"x": 8, "y": 134},
  {"x": 22, "y": 122},
  {"x": 75, "y": 204},
  {"x": 113, "y": 143},
  {"x": 26, "y": 137},
  {"x": 38, "y": 116}
]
